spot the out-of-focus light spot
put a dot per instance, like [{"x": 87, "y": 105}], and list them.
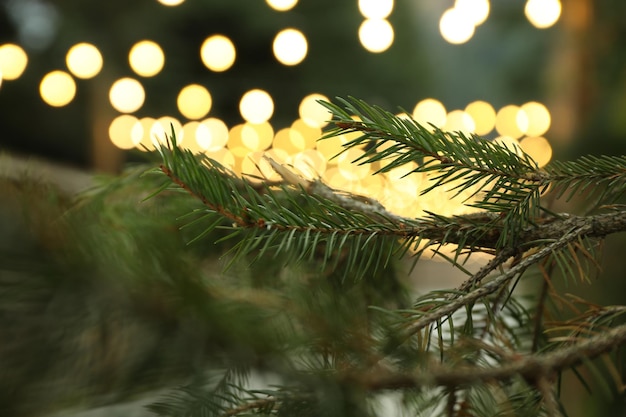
[
  {"x": 376, "y": 35},
  {"x": 375, "y": 9},
  {"x": 538, "y": 148},
  {"x": 84, "y": 60},
  {"x": 190, "y": 130},
  {"x": 510, "y": 143},
  {"x": 404, "y": 181},
  {"x": 350, "y": 169},
  {"x": 309, "y": 163},
  {"x": 125, "y": 131},
  {"x": 235, "y": 142},
  {"x": 456, "y": 27},
  {"x": 290, "y": 47},
  {"x": 288, "y": 142},
  {"x": 538, "y": 118},
  {"x": 57, "y": 88},
  {"x": 256, "y": 106},
  {"x": 146, "y": 58},
  {"x": 476, "y": 10},
  {"x": 13, "y": 61},
  {"x": 161, "y": 131},
  {"x": 171, "y": 2},
  {"x": 484, "y": 116},
  {"x": 459, "y": 120},
  {"x": 313, "y": 113},
  {"x": 257, "y": 168},
  {"x": 194, "y": 101},
  {"x": 218, "y": 53},
  {"x": 145, "y": 143},
  {"x": 508, "y": 121},
  {"x": 430, "y": 112},
  {"x": 308, "y": 133},
  {"x": 224, "y": 157},
  {"x": 212, "y": 134},
  {"x": 127, "y": 95},
  {"x": 331, "y": 147},
  {"x": 257, "y": 137},
  {"x": 282, "y": 5},
  {"x": 542, "y": 13}
]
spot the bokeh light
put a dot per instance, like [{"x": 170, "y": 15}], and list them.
[
  {"x": 476, "y": 11},
  {"x": 313, "y": 113},
  {"x": 538, "y": 118},
  {"x": 13, "y": 61},
  {"x": 171, "y": 2},
  {"x": 290, "y": 47},
  {"x": 290, "y": 143},
  {"x": 308, "y": 134},
  {"x": 282, "y": 5},
  {"x": 190, "y": 133},
  {"x": 459, "y": 120},
  {"x": 212, "y": 134},
  {"x": 511, "y": 121},
  {"x": 127, "y": 95},
  {"x": 194, "y": 101},
  {"x": 376, "y": 35},
  {"x": 483, "y": 115},
  {"x": 538, "y": 148},
  {"x": 84, "y": 60},
  {"x": 257, "y": 137},
  {"x": 146, "y": 58},
  {"x": 256, "y": 106},
  {"x": 161, "y": 131},
  {"x": 125, "y": 131},
  {"x": 375, "y": 9},
  {"x": 57, "y": 88},
  {"x": 542, "y": 13},
  {"x": 430, "y": 112},
  {"x": 456, "y": 27},
  {"x": 145, "y": 143},
  {"x": 218, "y": 53}
]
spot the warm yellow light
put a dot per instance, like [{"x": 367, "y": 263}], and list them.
[
  {"x": 13, "y": 61},
  {"x": 212, "y": 134},
  {"x": 309, "y": 134},
  {"x": 483, "y": 115},
  {"x": 84, "y": 60},
  {"x": 146, "y": 58},
  {"x": 161, "y": 131},
  {"x": 57, "y": 88},
  {"x": 256, "y": 167},
  {"x": 171, "y": 2},
  {"x": 281, "y": 5},
  {"x": 538, "y": 148},
  {"x": 218, "y": 53},
  {"x": 430, "y": 112},
  {"x": 127, "y": 95},
  {"x": 190, "y": 130},
  {"x": 256, "y": 106},
  {"x": 290, "y": 47},
  {"x": 543, "y": 13},
  {"x": 145, "y": 143},
  {"x": 194, "y": 101},
  {"x": 288, "y": 142},
  {"x": 510, "y": 143},
  {"x": 456, "y": 27},
  {"x": 331, "y": 147},
  {"x": 235, "y": 142},
  {"x": 257, "y": 137},
  {"x": 125, "y": 131},
  {"x": 351, "y": 169},
  {"x": 458, "y": 120},
  {"x": 538, "y": 118},
  {"x": 376, "y": 35},
  {"x": 375, "y": 9},
  {"x": 224, "y": 157},
  {"x": 476, "y": 10},
  {"x": 310, "y": 163},
  {"x": 313, "y": 113},
  {"x": 508, "y": 121}
]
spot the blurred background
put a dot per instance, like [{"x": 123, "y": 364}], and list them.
[{"x": 91, "y": 86}]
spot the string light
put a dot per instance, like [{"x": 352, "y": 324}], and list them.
[
  {"x": 542, "y": 13},
  {"x": 430, "y": 112},
  {"x": 459, "y": 120},
  {"x": 212, "y": 134},
  {"x": 13, "y": 61},
  {"x": 376, "y": 35},
  {"x": 146, "y": 58},
  {"x": 538, "y": 118},
  {"x": 375, "y": 9},
  {"x": 483, "y": 115},
  {"x": 218, "y": 53},
  {"x": 282, "y": 5},
  {"x": 476, "y": 11},
  {"x": 290, "y": 47},
  {"x": 125, "y": 131},
  {"x": 538, "y": 148},
  {"x": 194, "y": 101},
  {"x": 171, "y": 2},
  {"x": 511, "y": 121},
  {"x": 57, "y": 88},
  {"x": 256, "y": 106},
  {"x": 313, "y": 113},
  {"x": 127, "y": 95},
  {"x": 84, "y": 60}
]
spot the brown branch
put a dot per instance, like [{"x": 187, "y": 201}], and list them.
[
  {"x": 264, "y": 402},
  {"x": 530, "y": 367}
]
